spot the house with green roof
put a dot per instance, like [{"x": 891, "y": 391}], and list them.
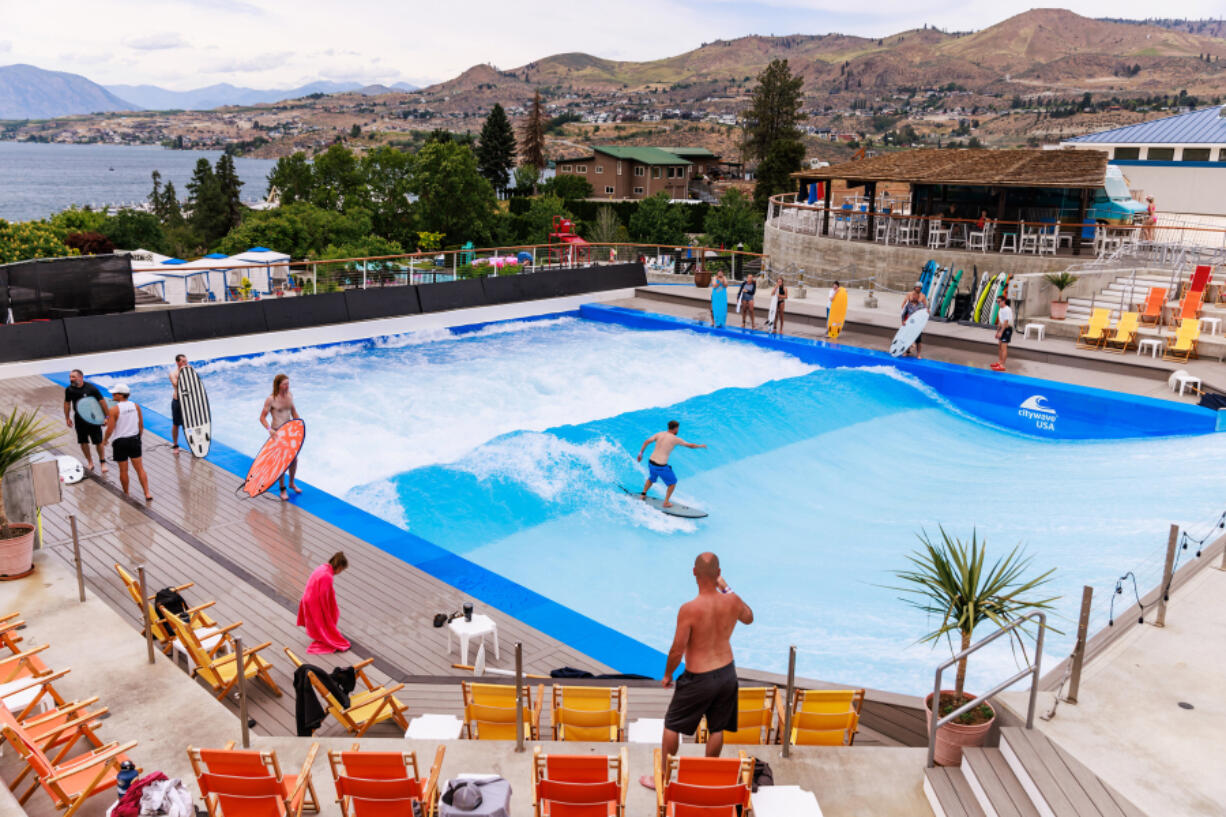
[{"x": 633, "y": 172}]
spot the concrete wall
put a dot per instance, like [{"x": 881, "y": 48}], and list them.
[
  {"x": 894, "y": 267},
  {"x": 1199, "y": 189}
]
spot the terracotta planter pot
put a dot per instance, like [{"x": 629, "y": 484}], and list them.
[
  {"x": 952, "y": 737},
  {"x": 1058, "y": 310},
  {"x": 702, "y": 279},
  {"x": 17, "y": 554}
]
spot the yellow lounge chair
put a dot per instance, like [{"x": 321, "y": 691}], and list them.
[
  {"x": 1184, "y": 345},
  {"x": 826, "y": 717},
  {"x": 1125, "y": 334},
  {"x": 221, "y": 672},
  {"x": 206, "y": 628},
  {"x": 758, "y": 708},
  {"x": 1095, "y": 332},
  {"x": 589, "y": 713},
  {"x": 373, "y": 705},
  {"x": 489, "y": 711}
]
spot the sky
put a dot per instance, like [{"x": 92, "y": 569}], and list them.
[{"x": 184, "y": 44}]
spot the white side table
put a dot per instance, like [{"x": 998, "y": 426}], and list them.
[
  {"x": 646, "y": 730},
  {"x": 434, "y": 727},
  {"x": 1039, "y": 329},
  {"x": 1183, "y": 380},
  {"x": 1154, "y": 345},
  {"x": 1214, "y": 325},
  {"x": 785, "y": 801},
  {"x": 480, "y": 626}
]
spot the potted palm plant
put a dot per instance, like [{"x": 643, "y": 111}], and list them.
[
  {"x": 950, "y": 582},
  {"x": 1061, "y": 281},
  {"x": 21, "y": 434}
]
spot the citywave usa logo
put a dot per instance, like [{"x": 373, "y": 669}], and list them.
[{"x": 1035, "y": 409}]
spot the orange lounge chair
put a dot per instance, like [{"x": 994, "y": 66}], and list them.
[
  {"x": 31, "y": 694},
  {"x": 580, "y": 785},
  {"x": 702, "y": 786},
  {"x": 383, "y": 784},
  {"x": 246, "y": 783},
  {"x": 61, "y": 728},
  {"x": 367, "y": 708},
  {"x": 1151, "y": 312},
  {"x": 589, "y": 713},
  {"x": 69, "y": 784},
  {"x": 1189, "y": 307}
]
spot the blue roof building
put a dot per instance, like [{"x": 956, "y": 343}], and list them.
[{"x": 1196, "y": 136}]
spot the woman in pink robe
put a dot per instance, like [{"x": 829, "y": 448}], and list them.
[{"x": 318, "y": 611}]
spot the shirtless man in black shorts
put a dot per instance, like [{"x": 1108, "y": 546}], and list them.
[{"x": 708, "y": 686}]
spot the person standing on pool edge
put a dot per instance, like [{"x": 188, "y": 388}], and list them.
[
  {"x": 125, "y": 424},
  {"x": 744, "y": 301},
  {"x": 914, "y": 302},
  {"x": 708, "y": 687},
  {"x": 87, "y": 432},
  {"x": 665, "y": 442},
  {"x": 278, "y": 410},
  {"x": 176, "y": 410},
  {"x": 1004, "y": 331}
]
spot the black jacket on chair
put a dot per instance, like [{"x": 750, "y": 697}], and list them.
[{"x": 308, "y": 712}]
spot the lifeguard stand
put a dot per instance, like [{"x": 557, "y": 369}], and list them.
[{"x": 565, "y": 247}]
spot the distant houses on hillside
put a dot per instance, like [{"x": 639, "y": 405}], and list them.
[{"x": 617, "y": 172}]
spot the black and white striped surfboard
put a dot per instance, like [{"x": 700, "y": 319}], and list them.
[{"x": 197, "y": 420}]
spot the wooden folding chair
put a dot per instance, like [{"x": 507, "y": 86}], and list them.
[
  {"x": 397, "y": 782},
  {"x": 69, "y": 784},
  {"x": 580, "y": 785},
  {"x": 489, "y": 711},
  {"x": 826, "y": 717},
  {"x": 220, "y": 672},
  {"x": 30, "y": 694},
  {"x": 225, "y": 774},
  {"x": 702, "y": 786},
  {"x": 61, "y": 728},
  {"x": 367, "y": 708},
  {"x": 208, "y": 633},
  {"x": 756, "y": 710},
  {"x": 589, "y": 713}
]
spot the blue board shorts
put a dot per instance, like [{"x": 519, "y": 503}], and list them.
[{"x": 664, "y": 473}]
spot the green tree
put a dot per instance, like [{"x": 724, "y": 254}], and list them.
[
  {"x": 292, "y": 178},
  {"x": 229, "y": 186},
  {"x": 209, "y": 216},
  {"x": 23, "y": 240},
  {"x": 453, "y": 197},
  {"x": 136, "y": 230},
  {"x": 338, "y": 183},
  {"x": 387, "y": 183},
  {"x": 300, "y": 229},
  {"x": 355, "y": 131},
  {"x": 526, "y": 177},
  {"x": 536, "y": 224},
  {"x": 733, "y": 222},
  {"x": 607, "y": 228},
  {"x": 496, "y": 150},
  {"x": 171, "y": 214},
  {"x": 532, "y": 135},
  {"x": 79, "y": 220},
  {"x": 774, "y": 135},
  {"x": 568, "y": 187},
  {"x": 658, "y": 221}
]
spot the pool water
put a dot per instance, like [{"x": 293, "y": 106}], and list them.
[{"x": 507, "y": 446}]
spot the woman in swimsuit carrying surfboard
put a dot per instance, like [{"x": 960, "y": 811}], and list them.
[{"x": 278, "y": 410}]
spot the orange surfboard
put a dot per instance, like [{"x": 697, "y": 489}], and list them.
[{"x": 275, "y": 457}]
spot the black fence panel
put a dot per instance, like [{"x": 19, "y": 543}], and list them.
[
  {"x": 67, "y": 287},
  {"x": 31, "y": 341},
  {"x": 618, "y": 276},
  {"x": 451, "y": 295},
  {"x": 217, "y": 321},
  {"x": 382, "y": 302},
  {"x": 306, "y": 310},
  {"x": 101, "y": 333}
]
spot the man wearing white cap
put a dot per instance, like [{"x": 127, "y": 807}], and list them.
[{"x": 125, "y": 424}]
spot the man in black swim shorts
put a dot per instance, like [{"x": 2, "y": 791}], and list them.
[{"x": 708, "y": 687}]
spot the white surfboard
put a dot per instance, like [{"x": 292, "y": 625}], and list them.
[
  {"x": 674, "y": 508},
  {"x": 197, "y": 418},
  {"x": 91, "y": 410},
  {"x": 770, "y": 316},
  {"x": 905, "y": 337},
  {"x": 71, "y": 470}
]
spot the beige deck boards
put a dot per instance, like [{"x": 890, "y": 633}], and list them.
[{"x": 252, "y": 557}]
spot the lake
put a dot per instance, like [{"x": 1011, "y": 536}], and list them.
[{"x": 37, "y": 180}]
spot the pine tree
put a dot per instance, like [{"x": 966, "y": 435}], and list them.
[
  {"x": 209, "y": 213},
  {"x": 774, "y": 135},
  {"x": 496, "y": 152},
  {"x": 155, "y": 196},
  {"x": 170, "y": 214},
  {"x": 532, "y": 135},
  {"x": 229, "y": 186}
]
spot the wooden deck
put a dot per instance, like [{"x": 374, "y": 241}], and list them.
[{"x": 253, "y": 558}]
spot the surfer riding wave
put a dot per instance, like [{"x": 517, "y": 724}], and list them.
[{"x": 657, "y": 465}]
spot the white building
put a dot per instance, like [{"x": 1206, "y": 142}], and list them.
[{"x": 1179, "y": 160}]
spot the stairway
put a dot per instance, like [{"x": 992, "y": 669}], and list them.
[
  {"x": 1133, "y": 292},
  {"x": 144, "y": 298},
  {"x": 1027, "y": 776}
]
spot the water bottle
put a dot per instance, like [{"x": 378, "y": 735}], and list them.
[{"x": 127, "y": 773}]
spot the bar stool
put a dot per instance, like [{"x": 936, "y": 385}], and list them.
[{"x": 1008, "y": 241}]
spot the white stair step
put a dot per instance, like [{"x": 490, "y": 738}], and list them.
[
  {"x": 1055, "y": 782},
  {"x": 995, "y": 785}
]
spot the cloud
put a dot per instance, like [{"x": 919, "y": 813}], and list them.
[
  {"x": 235, "y": 6},
  {"x": 156, "y": 42},
  {"x": 263, "y": 62},
  {"x": 6, "y": 46}
]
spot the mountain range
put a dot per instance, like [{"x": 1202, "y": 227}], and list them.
[{"x": 29, "y": 92}]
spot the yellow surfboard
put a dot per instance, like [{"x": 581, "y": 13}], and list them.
[{"x": 837, "y": 314}]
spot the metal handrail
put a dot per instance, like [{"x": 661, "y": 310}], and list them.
[{"x": 1032, "y": 670}]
